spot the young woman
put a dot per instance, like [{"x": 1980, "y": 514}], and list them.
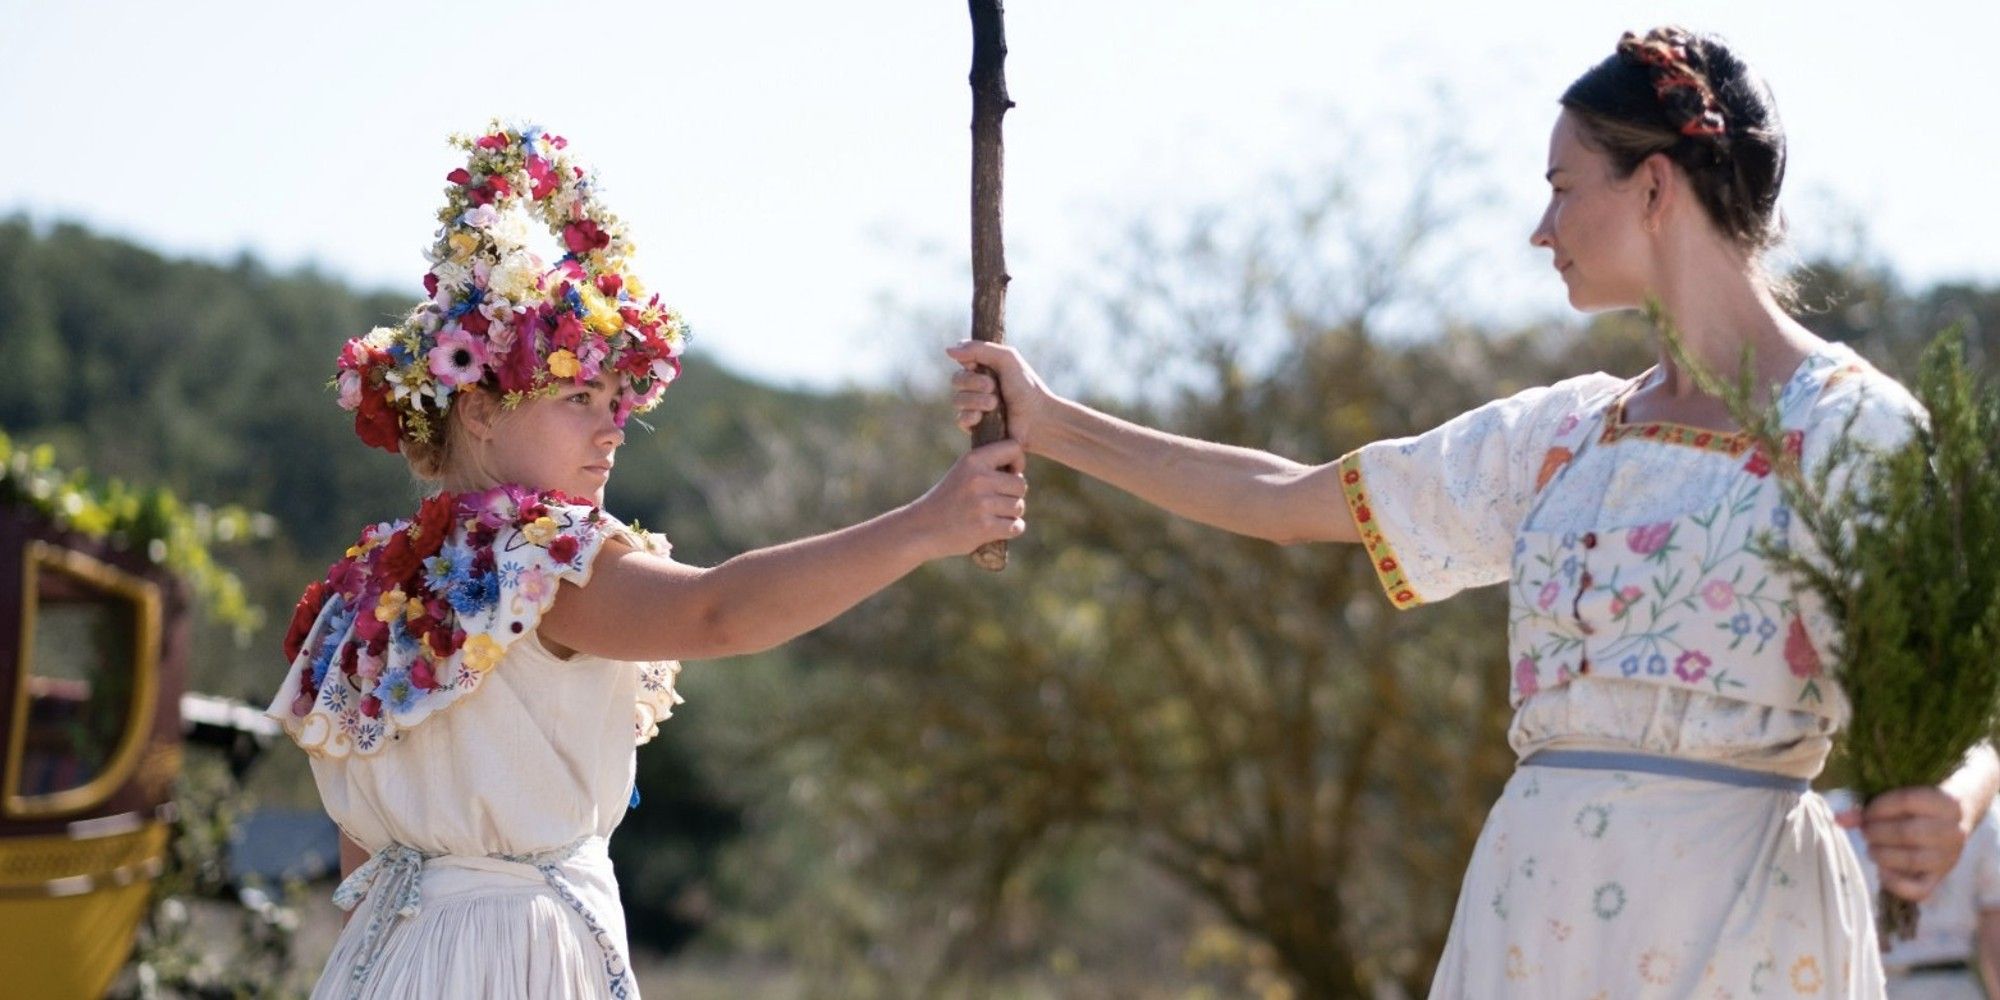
[
  {"x": 471, "y": 682},
  {"x": 1659, "y": 838}
]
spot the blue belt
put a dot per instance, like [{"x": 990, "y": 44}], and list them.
[{"x": 1672, "y": 767}]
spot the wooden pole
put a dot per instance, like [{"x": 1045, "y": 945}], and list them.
[{"x": 989, "y": 255}]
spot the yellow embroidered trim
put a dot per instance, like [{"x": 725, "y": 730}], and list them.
[
  {"x": 1733, "y": 443},
  {"x": 1388, "y": 569}
]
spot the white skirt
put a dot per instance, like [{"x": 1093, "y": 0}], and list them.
[
  {"x": 486, "y": 927},
  {"x": 1616, "y": 884}
]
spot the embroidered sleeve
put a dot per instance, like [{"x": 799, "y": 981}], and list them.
[
  {"x": 420, "y": 612},
  {"x": 1437, "y": 512}
]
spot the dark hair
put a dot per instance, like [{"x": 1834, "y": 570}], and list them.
[{"x": 1688, "y": 96}]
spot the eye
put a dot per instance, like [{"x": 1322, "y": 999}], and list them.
[{"x": 580, "y": 397}]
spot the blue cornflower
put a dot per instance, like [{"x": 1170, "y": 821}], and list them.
[
  {"x": 1740, "y": 624},
  {"x": 1656, "y": 665},
  {"x": 1629, "y": 666},
  {"x": 1766, "y": 629},
  {"x": 396, "y": 690}
]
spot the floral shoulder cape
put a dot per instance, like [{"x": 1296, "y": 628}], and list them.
[{"x": 421, "y": 610}]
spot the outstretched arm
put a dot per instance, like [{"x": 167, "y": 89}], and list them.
[
  {"x": 1241, "y": 490},
  {"x": 640, "y": 606}
]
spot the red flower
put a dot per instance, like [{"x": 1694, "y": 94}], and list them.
[
  {"x": 303, "y": 617},
  {"x": 1353, "y": 476},
  {"x": 398, "y": 561},
  {"x": 421, "y": 675},
  {"x": 497, "y": 140},
  {"x": 563, "y": 548},
  {"x": 430, "y": 284},
  {"x": 609, "y": 284},
  {"x": 432, "y": 524},
  {"x": 479, "y": 195},
  {"x": 459, "y": 177},
  {"x": 499, "y": 186},
  {"x": 516, "y": 373},
  {"x": 475, "y": 322},
  {"x": 542, "y": 177},
  {"x": 371, "y": 706},
  {"x": 1799, "y": 652},
  {"x": 1386, "y": 565},
  {"x": 530, "y": 513},
  {"x": 583, "y": 237},
  {"x": 568, "y": 334},
  {"x": 1363, "y": 514},
  {"x": 377, "y": 423}
]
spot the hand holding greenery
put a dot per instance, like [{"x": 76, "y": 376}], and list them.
[{"x": 1905, "y": 555}]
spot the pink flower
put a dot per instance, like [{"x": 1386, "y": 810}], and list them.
[
  {"x": 1692, "y": 666},
  {"x": 534, "y": 584},
  {"x": 1627, "y": 597},
  {"x": 1548, "y": 595},
  {"x": 459, "y": 358},
  {"x": 350, "y": 390},
  {"x": 1648, "y": 539},
  {"x": 1524, "y": 677},
  {"x": 1718, "y": 594},
  {"x": 1799, "y": 652}
]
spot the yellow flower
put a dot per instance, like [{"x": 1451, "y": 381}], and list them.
[
  {"x": 390, "y": 606},
  {"x": 599, "y": 313},
  {"x": 541, "y": 530},
  {"x": 462, "y": 244},
  {"x": 634, "y": 289},
  {"x": 481, "y": 653},
  {"x": 563, "y": 364}
]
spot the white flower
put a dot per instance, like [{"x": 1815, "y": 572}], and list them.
[
  {"x": 515, "y": 277},
  {"x": 380, "y": 338},
  {"x": 482, "y": 217},
  {"x": 514, "y": 229},
  {"x": 452, "y": 277}
]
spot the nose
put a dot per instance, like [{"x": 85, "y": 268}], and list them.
[
  {"x": 609, "y": 434},
  {"x": 1544, "y": 235}
]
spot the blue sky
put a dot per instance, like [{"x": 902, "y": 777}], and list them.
[{"x": 794, "y": 170}]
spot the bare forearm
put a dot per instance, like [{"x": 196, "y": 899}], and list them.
[
  {"x": 763, "y": 598},
  {"x": 1988, "y": 950},
  {"x": 1237, "y": 489}
]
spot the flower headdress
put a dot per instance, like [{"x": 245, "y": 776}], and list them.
[
  {"x": 1681, "y": 88},
  {"x": 497, "y": 315}
]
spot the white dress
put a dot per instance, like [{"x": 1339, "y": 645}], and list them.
[
  {"x": 1614, "y": 884},
  {"x": 486, "y": 804}
]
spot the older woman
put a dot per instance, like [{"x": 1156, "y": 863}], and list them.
[{"x": 1671, "y": 706}]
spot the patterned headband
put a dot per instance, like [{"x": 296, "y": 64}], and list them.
[{"x": 1681, "y": 89}]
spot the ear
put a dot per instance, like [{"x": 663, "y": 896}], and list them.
[
  {"x": 1660, "y": 179},
  {"x": 478, "y": 412}
]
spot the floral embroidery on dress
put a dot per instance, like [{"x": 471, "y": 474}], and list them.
[{"x": 419, "y": 611}]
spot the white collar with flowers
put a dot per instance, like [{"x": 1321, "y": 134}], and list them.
[{"x": 420, "y": 611}]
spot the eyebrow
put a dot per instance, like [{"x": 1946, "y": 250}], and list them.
[{"x": 593, "y": 384}]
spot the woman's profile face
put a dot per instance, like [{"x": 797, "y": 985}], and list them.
[
  {"x": 565, "y": 442},
  {"x": 1595, "y": 223}
]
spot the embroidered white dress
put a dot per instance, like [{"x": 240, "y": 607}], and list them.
[
  {"x": 1619, "y": 884},
  {"x": 486, "y": 788}
]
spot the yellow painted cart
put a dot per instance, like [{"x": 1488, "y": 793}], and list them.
[{"x": 93, "y": 659}]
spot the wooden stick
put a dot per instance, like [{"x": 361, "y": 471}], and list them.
[{"x": 989, "y": 255}]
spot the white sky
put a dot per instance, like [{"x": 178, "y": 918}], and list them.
[{"x": 786, "y": 167}]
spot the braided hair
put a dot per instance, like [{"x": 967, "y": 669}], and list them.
[{"x": 1688, "y": 96}]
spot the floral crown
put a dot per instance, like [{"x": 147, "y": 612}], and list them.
[
  {"x": 1682, "y": 90},
  {"x": 497, "y": 315}
]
